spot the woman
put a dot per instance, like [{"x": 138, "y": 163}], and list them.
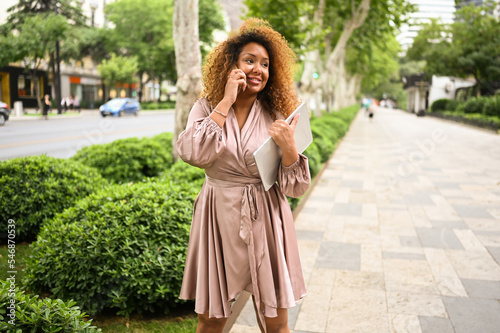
[
  {"x": 47, "y": 104},
  {"x": 242, "y": 237}
]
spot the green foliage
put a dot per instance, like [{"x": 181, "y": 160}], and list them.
[
  {"x": 474, "y": 105},
  {"x": 121, "y": 249},
  {"x": 473, "y": 51},
  {"x": 33, "y": 314},
  {"x": 440, "y": 105},
  {"x": 181, "y": 172},
  {"x": 118, "y": 69},
  {"x": 492, "y": 106},
  {"x": 127, "y": 160},
  {"x": 34, "y": 189},
  {"x": 314, "y": 158},
  {"x": 452, "y": 105},
  {"x": 158, "y": 106}
]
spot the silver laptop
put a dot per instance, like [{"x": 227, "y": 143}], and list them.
[{"x": 268, "y": 155}]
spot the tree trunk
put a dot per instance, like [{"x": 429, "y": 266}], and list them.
[{"x": 187, "y": 61}]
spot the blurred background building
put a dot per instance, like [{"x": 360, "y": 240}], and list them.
[{"x": 426, "y": 10}]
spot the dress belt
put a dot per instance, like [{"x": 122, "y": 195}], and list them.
[{"x": 249, "y": 212}]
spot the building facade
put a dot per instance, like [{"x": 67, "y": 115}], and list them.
[{"x": 444, "y": 10}]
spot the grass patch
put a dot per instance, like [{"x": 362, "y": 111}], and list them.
[
  {"x": 182, "y": 324},
  {"x": 22, "y": 251}
]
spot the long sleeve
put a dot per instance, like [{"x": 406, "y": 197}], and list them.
[
  {"x": 294, "y": 180},
  {"x": 203, "y": 140}
]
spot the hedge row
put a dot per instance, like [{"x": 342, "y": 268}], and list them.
[
  {"x": 129, "y": 160},
  {"x": 488, "y": 106},
  {"x": 122, "y": 248},
  {"x": 32, "y": 314},
  {"x": 34, "y": 189}
]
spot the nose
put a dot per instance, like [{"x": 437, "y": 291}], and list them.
[{"x": 257, "y": 68}]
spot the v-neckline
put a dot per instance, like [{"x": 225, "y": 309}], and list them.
[{"x": 244, "y": 129}]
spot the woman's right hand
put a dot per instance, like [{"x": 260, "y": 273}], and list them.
[{"x": 236, "y": 83}]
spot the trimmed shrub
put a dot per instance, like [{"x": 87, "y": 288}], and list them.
[
  {"x": 492, "y": 106},
  {"x": 158, "y": 106},
  {"x": 127, "y": 160},
  {"x": 34, "y": 189},
  {"x": 181, "y": 172},
  {"x": 474, "y": 105},
  {"x": 325, "y": 144},
  {"x": 165, "y": 140},
  {"x": 40, "y": 315},
  {"x": 439, "y": 105},
  {"x": 452, "y": 105},
  {"x": 314, "y": 159},
  {"x": 121, "y": 249}
]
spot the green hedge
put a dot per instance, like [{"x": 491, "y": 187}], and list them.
[
  {"x": 121, "y": 249},
  {"x": 34, "y": 189},
  {"x": 158, "y": 106},
  {"x": 181, "y": 173},
  {"x": 439, "y": 105},
  {"x": 128, "y": 160},
  {"x": 33, "y": 314}
]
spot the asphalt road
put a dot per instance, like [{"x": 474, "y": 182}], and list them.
[{"x": 63, "y": 137}]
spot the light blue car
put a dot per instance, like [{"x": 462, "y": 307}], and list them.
[{"x": 118, "y": 106}]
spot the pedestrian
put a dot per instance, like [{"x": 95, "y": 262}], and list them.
[
  {"x": 243, "y": 237},
  {"x": 70, "y": 102},
  {"x": 76, "y": 103},
  {"x": 47, "y": 104},
  {"x": 64, "y": 104}
]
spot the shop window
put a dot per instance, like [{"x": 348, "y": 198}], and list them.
[{"x": 26, "y": 86}]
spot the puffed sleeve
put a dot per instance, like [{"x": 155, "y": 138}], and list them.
[
  {"x": 203, "y": 140},
  {"x": 294, "y": 180}
]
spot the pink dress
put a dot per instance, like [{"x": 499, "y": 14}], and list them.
[{"x": 242, "y": 237}]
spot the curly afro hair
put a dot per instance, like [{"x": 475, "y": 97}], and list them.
[{"x": 279, "y": 93}]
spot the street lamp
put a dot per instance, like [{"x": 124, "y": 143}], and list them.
[{"x": 93, "y": 7}]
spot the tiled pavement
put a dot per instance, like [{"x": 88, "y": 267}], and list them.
[{"x": 401, "y": 232}]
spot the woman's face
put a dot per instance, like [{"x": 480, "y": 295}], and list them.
[{"x": 254, "y": 61}]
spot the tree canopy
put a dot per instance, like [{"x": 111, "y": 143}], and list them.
[{"x": 469, "y": 47}]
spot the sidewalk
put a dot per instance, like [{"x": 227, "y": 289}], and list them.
[{"x": 401, "y": 232}]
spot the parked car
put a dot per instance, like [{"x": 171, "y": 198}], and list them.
[
  {"x": 118, "y": 106},
  {"x": 4, "y": 113}
]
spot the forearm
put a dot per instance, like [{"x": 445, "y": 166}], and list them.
[
  {"x": 290, "y": 156},
  {"x": 222, "y": 107}
]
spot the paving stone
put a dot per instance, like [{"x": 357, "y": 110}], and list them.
[
  {"x": 409, "y": 241},
  {"x": 358, "y": 310},
  {"x": 313, "y": 314},
  {"x": 473, "y": 314},
  {"x": 409, "y": 276},
  {"x": 495, "y": 253},
  {"x": 482, "y": 288},
  {"x": 310, "y": 235},
  {"x": 446, "y": 185},
  {"x": 348, "y": 209},
  {"x": 404, "y": 323},
  {"x": 400, "y": 255},
  {"x": 435, "y": 325},
  {"x": 356, "y": 184},
  {"x": 415, "y": 304},
  {"x": 475, "y": 265},
  {"x": 448, "y": 224},
  {"x": 472, "y": 211},
  {"x": 339, "y": 256},
  {"x": 418, "y": 199},
  {"x": 439, "y": 238}
]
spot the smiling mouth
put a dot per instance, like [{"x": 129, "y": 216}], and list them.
[{"x": 254, "y": 80}]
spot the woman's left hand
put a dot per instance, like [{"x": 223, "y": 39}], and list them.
[{"x": 282, "y": 134}]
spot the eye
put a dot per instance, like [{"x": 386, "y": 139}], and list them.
[
  {"x": 250, "y": 61},
  {"x": 265, "y": 65}
]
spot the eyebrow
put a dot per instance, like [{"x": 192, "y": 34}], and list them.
[{"x": 253, "y": 55}]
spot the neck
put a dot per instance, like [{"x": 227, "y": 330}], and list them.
[{"x": 243, "y": 104}]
